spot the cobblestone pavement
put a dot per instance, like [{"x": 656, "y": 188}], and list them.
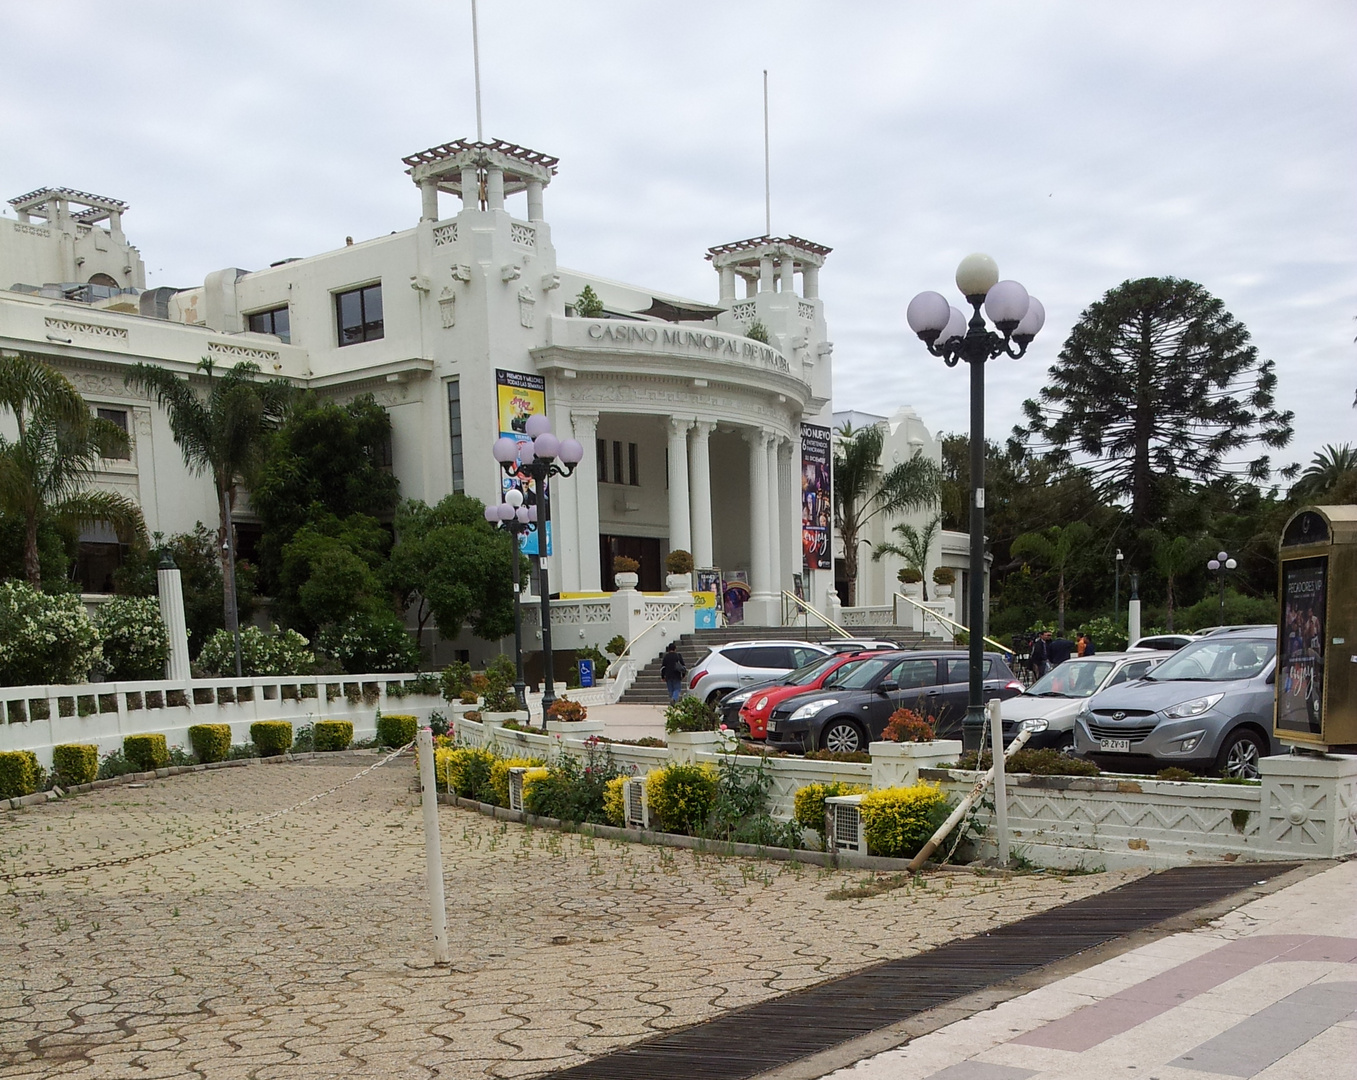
[{"x": 300, "y": 949}]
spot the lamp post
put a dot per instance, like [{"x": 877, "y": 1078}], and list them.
[
  {"x": 948, "y": 334},
  {"x": 515, "y": 519},
  {"x": 1116, "y": 592},
  {"x": 229, "y": 547},
  {"x": 1220, "y": 564},
  {"x": 535, "y": 459}
]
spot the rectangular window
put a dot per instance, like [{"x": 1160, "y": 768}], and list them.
[
  {"x": 617, "y": 463},
  {"x": 119, "y": 417},
  {"x": 274, "y": 321},
  {"x": 602, "y": 464},
  {"x": 455, "y": 434},
  {"x": 358, "y": 315},
  {"x": 634, "y": 464}
]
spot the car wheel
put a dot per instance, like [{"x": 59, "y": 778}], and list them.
[
  {"x": 714, "y": 698},
  {"x": 1067, "y": 743},
  {"x": 1240, "y": 753},
  {"x": 842, "y": 737}
]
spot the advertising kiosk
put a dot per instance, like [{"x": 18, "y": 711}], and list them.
[{"x": 1317, "y": 634}]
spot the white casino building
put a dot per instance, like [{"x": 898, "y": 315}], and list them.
[{"x": 695, "y": 429}]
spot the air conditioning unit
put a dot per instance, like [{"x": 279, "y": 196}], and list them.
[
  {"x": 634, "y": 799},
  {"x": 516, "y": 787},
  {"x": 843, "y": 824}
]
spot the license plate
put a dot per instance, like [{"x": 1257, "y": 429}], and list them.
[
  {"x": 1120, "y": 746},
  {"x": 772, "y": 725}
]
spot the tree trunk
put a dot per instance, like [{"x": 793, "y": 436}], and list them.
[
  {"x": 1060, "y": 602},
  {"x": 32, "y": 565},
  {"x": 850, "y": 559},
  {"x": 225, "y": 546},
  {"x": 1168, "y": 613}
]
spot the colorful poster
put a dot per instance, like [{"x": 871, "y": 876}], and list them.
[
  {"x": 817, "y": 512},
  {"x": 708, "y": 586},
  {"x": 521, "y": 395},
  {"x": 1300, "y": 667}
]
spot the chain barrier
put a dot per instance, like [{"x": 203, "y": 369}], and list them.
[{"x": 57, "y": 871}]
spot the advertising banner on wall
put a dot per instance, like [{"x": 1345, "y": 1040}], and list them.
[
  {"x": 519, "y": 396},
  {"x": 816, "y": 510},
  {"x": 1300, "y": 695}
]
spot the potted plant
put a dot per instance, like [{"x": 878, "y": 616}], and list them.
[
  {"x": 679, "y": 563},
  {"x": 906, "y": 746},
  {"x": 944, "y": 577},
  {"x": 912, "y": 580},
  {"x": 624, "y": 572},
  {"x": 568, "y": 717},
  {"x": 690, "y": 725}
]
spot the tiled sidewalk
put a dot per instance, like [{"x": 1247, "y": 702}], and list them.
[
  {"x": 300, "y": 949},
  {"x": 1267, "y": 991}
]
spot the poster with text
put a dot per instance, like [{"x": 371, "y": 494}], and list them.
[
  {"x": 1300, "y": 667},
  {"x": 520, "y": 395},
  {"x": 816, "y": 510}
]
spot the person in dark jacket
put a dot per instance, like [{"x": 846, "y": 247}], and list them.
[
  {"x": 1086, "y": 645},
  {"x": 1040, "y": 659},
  {"x": 672, "y": 668},
  {"x": 1059, "y": 650}
]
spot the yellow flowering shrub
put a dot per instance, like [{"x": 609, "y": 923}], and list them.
[
  {"x": 681, "y": 797},
  {"x": 499, "y": 775},
  {"x": 809, "y": 803},
  {"x": 613, "y": 805},
  {"x": 898, "y": 821}
]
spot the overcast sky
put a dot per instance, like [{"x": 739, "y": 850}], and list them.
[{"x": 1079, "y": 143}]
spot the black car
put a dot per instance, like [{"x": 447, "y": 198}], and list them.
[{"x": 853, "y": 714}]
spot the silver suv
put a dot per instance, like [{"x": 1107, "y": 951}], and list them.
[
  {"x": 742, "y": 663},
  {"x": 1207, "y": 706}
]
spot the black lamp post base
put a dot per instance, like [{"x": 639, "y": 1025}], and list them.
[{"x": 973, "y": 729}]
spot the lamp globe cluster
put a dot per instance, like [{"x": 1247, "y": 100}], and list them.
[{"x": 1015, "y": 313}]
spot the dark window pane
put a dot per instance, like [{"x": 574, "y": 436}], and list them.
[
  {"x": 602, "y": 464},
  {"x": 634, "y": 464},
  {"x": 349, "y": 312},
  {"x": 455, "y": 433},
  {"x": 282, "y": 324},
  {"x": 118, "y": 417},
  {"x": 959, "y": 671},
  {"x": 372, "y": 313},
  {"x": 617, "y": 463},
  {"x": 915, "y": 673}
]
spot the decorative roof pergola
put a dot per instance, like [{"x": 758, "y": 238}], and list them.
[
  {"x": 47, "y": 203},
  {"x": 445, "y": 164},
  {"x": 759, "y": 257}
]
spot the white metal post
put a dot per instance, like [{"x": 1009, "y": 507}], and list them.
[
  {"x": 433, "y": 848},
  {"x": 996, "y": 727}
]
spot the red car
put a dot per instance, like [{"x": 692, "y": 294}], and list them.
[{"x": 759, "y": 706}]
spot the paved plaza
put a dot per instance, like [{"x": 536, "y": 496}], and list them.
[{"x": 300, "y": 948}]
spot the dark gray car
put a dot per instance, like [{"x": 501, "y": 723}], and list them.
[{"x": 1207, "y": 707}]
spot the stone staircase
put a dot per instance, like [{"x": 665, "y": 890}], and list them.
[{"x": 649, "y": 688}]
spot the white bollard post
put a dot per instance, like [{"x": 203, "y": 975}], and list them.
[
  {"x": 996, "y": 727},
  {"x": 1132, "y": 622},
  {"x": 433, "y": 848}
]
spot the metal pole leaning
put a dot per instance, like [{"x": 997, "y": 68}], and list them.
[
  {"x": 996, "y": 727},
  {"x": 433, "y": 849}
]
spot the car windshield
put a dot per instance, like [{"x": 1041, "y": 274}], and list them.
[
  {"x": 810, "y": 672},
  {"x": 1216, "y": 660},
  {"x": 1072, "y": 680},
  {"x": 857, "y": 674}
]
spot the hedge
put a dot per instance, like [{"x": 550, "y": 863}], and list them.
[
  {"x": 396, "y": 730},
  {"x": 19, "y": 773},
  {"x": 465, "y": 771},
  {"x": 146, "y": 752},
  {"x": 210, "y": 742},
  {"x": 681, "y": 797},
  {"x": 809, "y": 802},
  {"x": 329, "y": 735},
  {"x": 75, "y": 763},
  {"x": 898, "y": 821},
  {"x": 271, "y": 737}
]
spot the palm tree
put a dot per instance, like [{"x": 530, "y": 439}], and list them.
[
  {"x": 1055, "y": 547},
  {"x": 221, "y": 432},
  {"x": 915, "y": 543},
  {"x": 1172, "y": 557},
  {"x": 861, "y": 490},
  {"x": 1325, "y": 470},
  {"x": 47, "y": 469}
]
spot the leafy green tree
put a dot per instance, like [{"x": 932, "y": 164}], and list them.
[
  {"x": 47, "y": 469},
  {"x": 1173, "y": 557},
  {"x": 1157, "y": 380},
  {"x": 587, "y": 304},
  {"x": 862, "y": 490},
  {"x": 914, "y": 546},
  {"x": 330, "y": 570},
  {"x": 1057, "y": 547},
  {"x": 220, "y": 431},
  {"x": 452, "y": 565},
  {"x": 322, "y": 455}
]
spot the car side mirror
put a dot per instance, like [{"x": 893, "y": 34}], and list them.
[
  {"x": 887, "y": 686},
  {"x": 1272, "y": 678}
]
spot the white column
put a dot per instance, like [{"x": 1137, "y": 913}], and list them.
[
  {"x": 471, "y": 188},
  {"x": 428, "y": 195},
  {"x": 775, "y": 573},
  {"x": 766, "y": 283},
  {"x": 494, "y": 189},
  {"x": 751, "y": 287},
  {"x": 534, "y": 200},
  {"x": 788, "y": 275},
  {"x": 585, "y": 425},
  {"x": 571, "y": 548},
  {"x": 680, "y": 530},
  {"x": 176, "y": 626},
  {"x": 760, "y": 583},
  {"x": 790, "y": 522},
  {"x": 727, "y": 283},
  {"x": 810, "y": 282},
  {"x": 699, "y": 483}
]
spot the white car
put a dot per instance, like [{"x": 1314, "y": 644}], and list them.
[
  {"x": 1163, "y": 642},
  {"x": 1048, "y": 707},
  {"x": 739, "y": 664}
]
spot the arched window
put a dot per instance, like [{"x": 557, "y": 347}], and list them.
[{"x": 104, "y": 279}]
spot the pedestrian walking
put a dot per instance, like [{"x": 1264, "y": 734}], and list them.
[
  {"x": 673, "y": 669},
  {"x": 1040, "y": 658},
  {"x": 1058, "y": 650}
]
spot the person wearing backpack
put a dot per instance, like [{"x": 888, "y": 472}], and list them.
[{"x": 673, "y": 669}]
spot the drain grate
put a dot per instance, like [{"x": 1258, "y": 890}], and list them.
[{"x": 745, "y": 1042}]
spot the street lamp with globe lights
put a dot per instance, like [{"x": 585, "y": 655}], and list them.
[
  {"x": 950, "y": 335},
  {"x": 1221, "y": 564},
  {"x": 536, "y": 458},
  {"x": 515, "y": 519}
]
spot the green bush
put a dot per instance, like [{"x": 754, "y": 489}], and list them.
[
  {"x": 1048, "y": 762},
  {"x": 396, "y": 730},
  {"x": 615, "y": 645},
  {"x": 329, "y": 735},
  {"x": 679, "y": 561},
  {"x": 681, "y": 797},
  {"x": 19, "y": 773},
  {"x": 210, "y": 742},
  {"x": 271, "y": 737},
  {"x": 134, "y": 640},
  {"x": 466, "y": 771},
  {"x": 146, "y": 752},
  {"x": 45, "y": 637},
  {"x": 456, "y": 680},
  {"x": 1107, "y": 636},
  {"x": 809, "y": 803},
  {"x": 573, "y": 789},
  {"x": 75, "y": 763},
  {"x": 370, "y": 641},
  {"x": 898, "y": 821},
  {"x": 499, "y": 776},
  {"x": 690, "y": 714},
  {"x": 499, "y": 691},
  {"x": 284, "y": 652}
]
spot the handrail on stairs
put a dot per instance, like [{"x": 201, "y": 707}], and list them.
[
  {"x": 930, "y": 613},
  {"x": 627, "y": 648},
  {"x": 806, "y": 609}
]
